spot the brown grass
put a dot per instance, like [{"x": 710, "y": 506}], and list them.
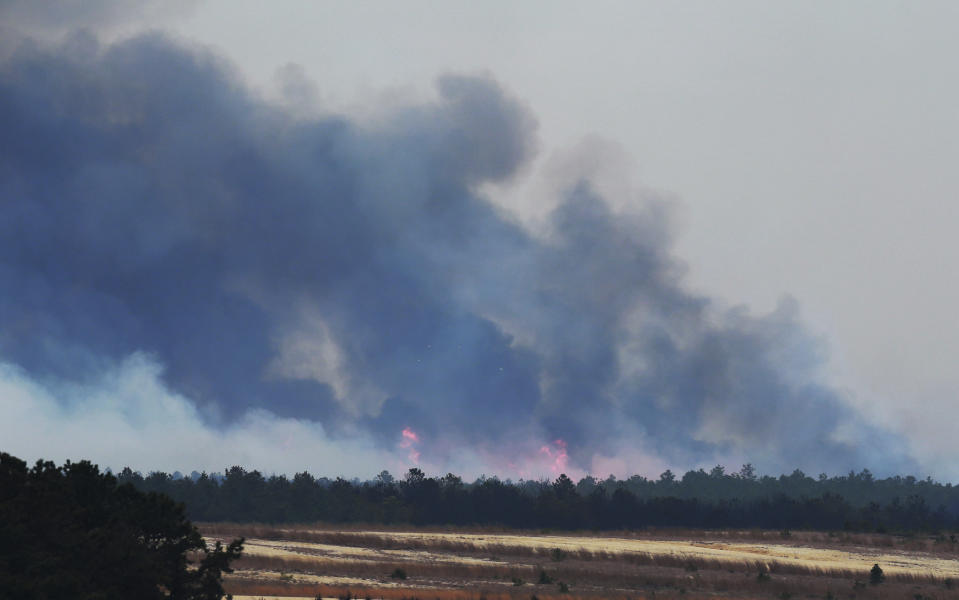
[
  {"x": 594, "y": 574},
  {"x": 589, "y": 573},
  {"x": 503, "y": 551},
  {"x": 737, "y": 590},
  {"x": 820, "y": 539},
  {"x": 361, "y": 593},
  {"x": 360, "y": 536}
]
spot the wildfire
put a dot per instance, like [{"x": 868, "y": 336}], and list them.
[
  {"x": 556, "y": 455},
  {"x": 409, "y": 442}
]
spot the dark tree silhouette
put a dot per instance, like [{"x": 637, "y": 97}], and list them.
[
  {"x": 713, "y": 499},
  {"x": 73, "y": 532}
]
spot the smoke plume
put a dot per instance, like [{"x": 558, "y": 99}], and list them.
[{"x": 352, "y": 277}]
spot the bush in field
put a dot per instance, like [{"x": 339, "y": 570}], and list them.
[
  {"x": 398, "y": 573},
  {"x": 875, "y": 575},
  {"x": 73, "y": 532}
]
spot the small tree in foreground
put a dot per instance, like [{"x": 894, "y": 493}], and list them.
[{"x": 875, "y": 575}]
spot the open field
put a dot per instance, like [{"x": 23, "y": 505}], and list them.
[{"x": 307, "y": 561}]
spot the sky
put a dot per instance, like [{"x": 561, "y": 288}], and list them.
[{"x": 510, "y": 238}]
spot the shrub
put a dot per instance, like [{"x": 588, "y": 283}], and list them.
[
  {"x": 398, "y": 573},
  {"x": 875, "y": 575}
]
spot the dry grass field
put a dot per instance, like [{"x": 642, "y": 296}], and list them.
[{"x": 310, "y": 561}]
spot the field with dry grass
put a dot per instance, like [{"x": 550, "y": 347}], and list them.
[{"x": 338, "y": 562}]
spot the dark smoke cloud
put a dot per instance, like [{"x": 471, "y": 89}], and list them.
[{"x": 352, "y": 274}]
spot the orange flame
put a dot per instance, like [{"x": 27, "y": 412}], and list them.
[
  {"x": 557, "y": 456},
  {"x": 410, "y": 436},
  {"x": 409, "y": 441}
]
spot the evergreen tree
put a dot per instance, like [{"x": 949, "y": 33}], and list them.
[{"x": 73, "y": 532}]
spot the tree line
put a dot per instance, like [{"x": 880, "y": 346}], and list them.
[{"x": 701, "y": 499}]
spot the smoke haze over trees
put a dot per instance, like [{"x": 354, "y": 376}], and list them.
[{"x": 229, "y": 266}]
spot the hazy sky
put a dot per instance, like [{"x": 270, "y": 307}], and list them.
[{"x": 807, "y": 150}]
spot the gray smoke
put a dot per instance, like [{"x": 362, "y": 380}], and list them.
[
  {"x": 63, "y": 15},
  {"x": 353, "y": 274}
]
